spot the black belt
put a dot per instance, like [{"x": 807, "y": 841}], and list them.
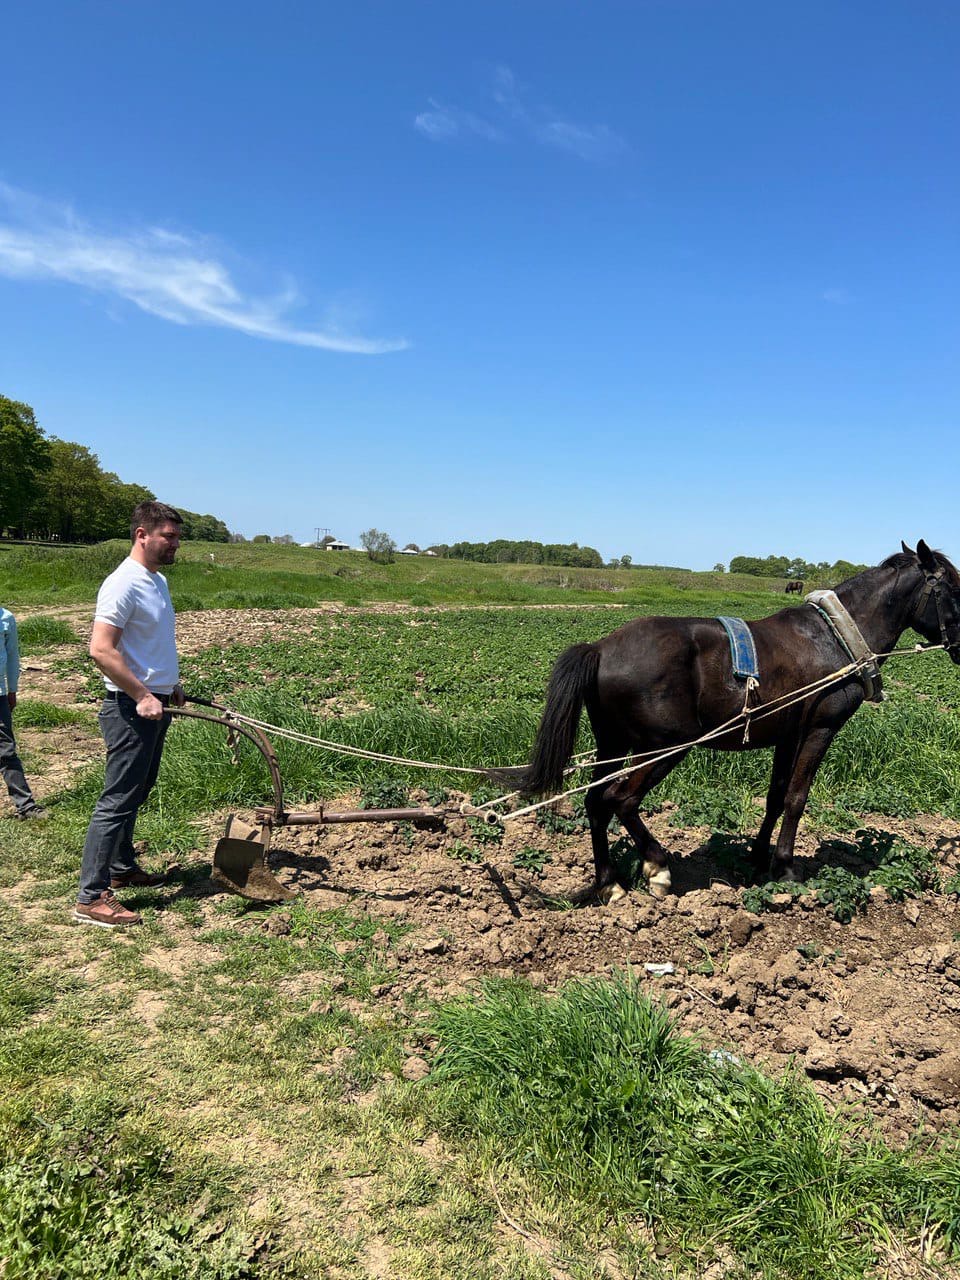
[{"x": 114, "y": 695}]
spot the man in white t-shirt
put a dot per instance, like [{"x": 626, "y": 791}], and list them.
[{"x": 134, "y": 645}]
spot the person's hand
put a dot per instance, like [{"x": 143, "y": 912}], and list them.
[
  {"x": 178, "y": 697},
  {"x": 12, "y": 699},
  {"x": 150, "y": 707}
]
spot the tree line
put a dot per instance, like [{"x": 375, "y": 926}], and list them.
[
  {"x": 503, "y": 551},
  {"x": 57, "y": 490},
  {"x": 785, "y": 567}
]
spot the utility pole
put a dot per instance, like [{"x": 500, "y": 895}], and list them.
[{"x": 320, "y": 529}]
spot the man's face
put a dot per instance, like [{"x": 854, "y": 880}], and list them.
[{"x": 160, "y": 545}]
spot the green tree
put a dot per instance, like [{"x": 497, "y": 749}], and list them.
[
  {"x": 72, "y": 496},
  {"x": 24, "y": 461},
  {"x": 197, "y": 528},
  {"x": 117, "y": 504},
  {"x": 379, "y": 546}
]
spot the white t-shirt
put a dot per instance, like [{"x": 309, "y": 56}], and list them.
[{"x": 138, "y": 602}]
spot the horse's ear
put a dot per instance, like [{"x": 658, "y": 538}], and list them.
[
  {"x": 906, "y": 548},
  {"x": 925, "y": 556}
]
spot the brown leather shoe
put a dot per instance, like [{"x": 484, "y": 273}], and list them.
[
  {"x": 136, "y": 879},
  {"x": 106, "y": 912}
]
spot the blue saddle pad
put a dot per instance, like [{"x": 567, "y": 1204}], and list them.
[{"x": 742, "y": 649}]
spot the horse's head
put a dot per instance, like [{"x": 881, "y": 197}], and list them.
[{"x": 936, "y": 615}]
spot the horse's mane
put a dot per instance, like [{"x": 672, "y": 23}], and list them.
[
  {"x": 901, "y": 559},
  {"x": 904, "y": 560}
]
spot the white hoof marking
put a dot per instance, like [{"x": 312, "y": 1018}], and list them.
[
  {"x": 613, "y": 893},
  {"x": 658, "y": 879}
]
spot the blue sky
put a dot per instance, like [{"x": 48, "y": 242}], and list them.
[{"x": 673, "y": 278}]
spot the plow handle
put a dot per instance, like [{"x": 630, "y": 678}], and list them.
[{"x": 255, "y": 735}]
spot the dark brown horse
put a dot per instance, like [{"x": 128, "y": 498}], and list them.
[
  {"x": 660, "y": 683},
  {"x": 795, "y": 587}
]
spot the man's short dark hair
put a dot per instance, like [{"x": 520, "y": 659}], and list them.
[{"x": 148, "y": 515}]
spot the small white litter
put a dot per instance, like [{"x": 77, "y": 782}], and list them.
[
  {"x": 660, "y": 970},
  {"x": 721, "y": 1058}
]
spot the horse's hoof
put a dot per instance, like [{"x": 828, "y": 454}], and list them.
[
  {"x": 660, "y": 885},
  {"x": 612, "y": 894}
]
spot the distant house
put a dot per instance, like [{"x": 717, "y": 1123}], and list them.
[
  {"x": 334, "y": 545},
  {"x": 407, "y": 551}
]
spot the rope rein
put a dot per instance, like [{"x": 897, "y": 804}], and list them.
[{"x": 641, "y": 760}]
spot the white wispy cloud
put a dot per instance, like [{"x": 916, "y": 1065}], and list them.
[
  {"x": 837, "y": 297},
  {"x": 518, "y": 115},
  {"x": 442, "y": 123},
  {"x": 178, "y": 277}
]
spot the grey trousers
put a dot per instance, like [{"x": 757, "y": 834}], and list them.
[
  {"x": 11, "y": 767},
  {"x": 134, "y": 748}
]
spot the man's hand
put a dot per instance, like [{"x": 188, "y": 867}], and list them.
[
  {"x": 12, "y": 699},
  {"x": 150, "y": 707},
  {"x": 178, "y": 697}
]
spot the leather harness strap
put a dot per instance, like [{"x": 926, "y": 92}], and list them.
[{"x": 930, "y": 587}]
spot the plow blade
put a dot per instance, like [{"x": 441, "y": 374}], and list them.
[{"x": 240, "y": 865}]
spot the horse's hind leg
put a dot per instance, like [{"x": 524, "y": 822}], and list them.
[
  {"x": 625, "y": 796},
  {"x": 599, "y": 810}
]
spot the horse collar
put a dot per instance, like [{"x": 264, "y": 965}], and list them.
[{"x": 850, "y": 639}]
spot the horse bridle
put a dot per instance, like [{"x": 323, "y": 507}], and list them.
[{"x": 934, "y": 585}]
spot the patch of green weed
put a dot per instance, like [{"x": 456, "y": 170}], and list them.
[
  {"x": 42, "y": 632},
  {"x": 532, "y": 859},
  {"x": 33, "y": 714}
]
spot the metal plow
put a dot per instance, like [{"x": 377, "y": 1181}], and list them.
[
  {"x": 240, "y": 863},
  {"x": 240, "y": 856}
]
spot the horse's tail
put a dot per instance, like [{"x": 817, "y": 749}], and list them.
[{"x": 574, "y": 675}]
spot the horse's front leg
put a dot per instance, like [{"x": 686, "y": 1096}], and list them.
[
  {"x": 809, "y": 757},
  {"x": 784, "y": 761}
]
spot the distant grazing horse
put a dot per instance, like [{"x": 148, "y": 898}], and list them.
[
  {"x": 795, "y": 587},
  {"x": 660, "y": 683}
]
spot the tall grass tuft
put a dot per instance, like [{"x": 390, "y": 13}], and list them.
[
  {"x": 39, "y": 633},
  {"x": 31, "y": 713},
  {"x": 606, "y": 1110}
]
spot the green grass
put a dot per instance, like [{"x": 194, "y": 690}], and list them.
[
  {"x": 85, "y": 1193},
  {"x": 86, "y": 1190},
  {"x": 34, "y": 714},
  {"x": 41, "y": 632},
  {"x": 608, "y": 1115},
  {"x": 248, "y": 576}
]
